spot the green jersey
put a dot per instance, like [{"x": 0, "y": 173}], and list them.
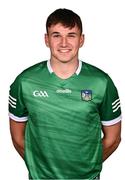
[{"x": 64, "y": 119}]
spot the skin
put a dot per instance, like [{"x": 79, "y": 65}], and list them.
[
  {"x": 17, "y": 130},
  {"x": 111, "y": 139},
  {"x": 64, "y": 44}
]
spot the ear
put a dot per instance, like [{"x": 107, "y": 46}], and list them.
[
  {"x": 46, "y": 40},
  {"x": 82, "y": 38}
]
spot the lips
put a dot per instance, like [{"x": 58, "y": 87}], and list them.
[{"x": 64, "y": 50}]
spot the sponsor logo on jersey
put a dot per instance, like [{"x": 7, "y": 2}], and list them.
[
  {"x": 64, "y": 91},
  {"x": 116, "y": 105},
  {"x": 37, "y": 93},
  {"x": 86, "y": 95}
]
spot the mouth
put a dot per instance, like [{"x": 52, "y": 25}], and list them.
[{"x": 64, "y": 50}]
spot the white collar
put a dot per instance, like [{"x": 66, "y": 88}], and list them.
[{"x": 77, "y": 71}]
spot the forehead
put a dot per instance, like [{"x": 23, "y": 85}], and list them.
[{"x": 62, "y": 29}]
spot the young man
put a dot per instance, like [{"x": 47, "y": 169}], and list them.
[{"x": 58, "y": 108}]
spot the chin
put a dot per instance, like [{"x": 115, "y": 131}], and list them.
[{"x": 65, "y": 61}]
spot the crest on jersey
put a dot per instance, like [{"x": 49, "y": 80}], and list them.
[{"x": 86, "y": 95}]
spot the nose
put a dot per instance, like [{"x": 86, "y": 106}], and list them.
[{"x": 64, "y": 42}]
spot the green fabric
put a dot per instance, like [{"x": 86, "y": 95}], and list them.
[{"x": 63, "y": 131}]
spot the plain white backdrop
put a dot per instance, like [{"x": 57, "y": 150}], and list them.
[{"x": 22, "y": 28}]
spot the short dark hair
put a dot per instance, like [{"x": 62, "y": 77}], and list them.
[{"x": 66, "y": 17}]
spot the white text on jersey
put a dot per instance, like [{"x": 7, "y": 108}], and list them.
[
  {"x": 37, "y": 93},
  {"x": 63, "y": 91}
]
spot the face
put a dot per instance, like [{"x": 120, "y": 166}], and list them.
[{"x": 64, "y": 43}]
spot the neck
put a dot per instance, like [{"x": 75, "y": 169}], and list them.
[{"x": 64, "y": 70}]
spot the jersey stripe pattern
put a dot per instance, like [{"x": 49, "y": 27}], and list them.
[{"x": 64, "y": 119}]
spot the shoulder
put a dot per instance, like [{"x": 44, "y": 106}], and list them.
[
  {"x": 93, "y": 69},
  {"x": 33, "y": 69},
  {"x": 31, "y": 72},
  {"x": 94, "y": 72}
]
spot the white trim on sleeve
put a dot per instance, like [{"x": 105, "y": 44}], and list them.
[
  {"x": 18, "y": 119},
  {"x": 112, "y": 122}
]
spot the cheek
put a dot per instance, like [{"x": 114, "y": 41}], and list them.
[
  {"x": 53, "y": 44},
  {"x": 76, "y": 45},
  {"x": 53, "y": 47}
]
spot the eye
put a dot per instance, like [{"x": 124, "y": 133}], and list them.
[
  {"x": 56, "y": 35},
  {"x": 72, "y": 35}
]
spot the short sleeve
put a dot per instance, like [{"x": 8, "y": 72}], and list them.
[
  {"x": 110, "y": 111},
  {"x": 17, "y": 108}
]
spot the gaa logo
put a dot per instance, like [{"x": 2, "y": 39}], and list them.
[{"x": 37, "y": 93}]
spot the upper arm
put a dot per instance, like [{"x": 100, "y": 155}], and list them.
[
  {"x": 17, "y": 130},
  {"x": 110, "y": 109},
  {"x": 17, "y": 108},
  {"x": 18, "y": 113},
  {"x": 112, "y": 133},
  {"x": 111, "y": 114}
]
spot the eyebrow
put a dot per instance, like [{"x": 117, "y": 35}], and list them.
[
  {"x": 70, "y": 33},
  {"x": 55, "y": 33}
]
